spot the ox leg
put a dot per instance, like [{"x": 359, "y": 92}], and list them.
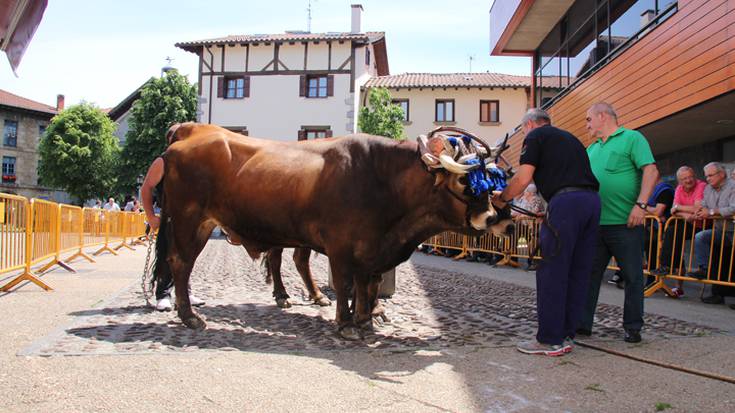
[
  {"x": 363, "y": 305},
  {"x": 301, "y": 259},
  {"x": 377, "y": 309},
  {"x": 188, "y": 241},
  {"x": 345, "y": 323},
  {"x": 274, "y": 257}
]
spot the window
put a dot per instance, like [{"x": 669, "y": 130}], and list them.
[
  {"x": 367, "y": 56},
  {"x": 10, "y": 133},
  {"x": 41, "y": 131},
  {"x": 314, "y": 132},
  {"x": 403, "y": 103},
  {"x": 444, "y": 110},
  {"x": 8, "y": 169},
  {"x": 316, "y": 87},
  {"x": 489, "y": 111},
  {"x": 234, "y": 88},
  {"x": 589, "y": 36}
]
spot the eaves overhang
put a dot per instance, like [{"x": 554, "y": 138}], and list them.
[{"x": 517, "y": 27}]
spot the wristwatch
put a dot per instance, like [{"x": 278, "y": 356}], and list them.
[
  {"x": 711, "y": 212},
  {"x": 642, "y": 205}
]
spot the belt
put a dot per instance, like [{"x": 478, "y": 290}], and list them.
[{"x": 573, "y": 189}]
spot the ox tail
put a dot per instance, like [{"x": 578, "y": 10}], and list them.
[{"x": 265, "y": 264}]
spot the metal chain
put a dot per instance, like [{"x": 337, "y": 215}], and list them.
[{"x": 145, "y": 284}]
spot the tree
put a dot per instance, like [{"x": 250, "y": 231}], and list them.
[
  {"x": 381, "y": 117},
  {"x": 163, "y": 102},
  {"x": 78, "y": 153}
]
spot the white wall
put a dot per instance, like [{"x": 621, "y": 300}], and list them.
[
  {"x": 513, "y": 105},
  {"x": 274, "y": 109}
]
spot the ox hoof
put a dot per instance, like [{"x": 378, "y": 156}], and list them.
[
  {"x": 367, "y": 326},
  {"x": 195, "y": 322},
  {"x": 322, "y": 301},
  {"x": 350, "y": 333},
  {"x": 283, "y": 303}
]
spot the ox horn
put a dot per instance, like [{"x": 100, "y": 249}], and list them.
[{"x": 450, "y": 165}]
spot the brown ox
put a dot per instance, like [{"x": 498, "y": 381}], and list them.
[{"x": 364, "y": 201}]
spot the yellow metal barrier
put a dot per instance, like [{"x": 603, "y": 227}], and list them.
[
  {"x": 109, "y": 222},
  {"x": 94, "y": 227},
  {"x": 14, "y": 228},
  {"x": 34, "y": 231},
  {"x": 72, "y": 232},
  {"x": 721, "y": 255},
  {"x": 19, "y": 219}
]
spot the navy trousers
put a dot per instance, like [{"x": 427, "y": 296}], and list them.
[{"x": 563, "y": 275}]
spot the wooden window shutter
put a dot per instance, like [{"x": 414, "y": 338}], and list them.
[
  {"x": 330, "y": 85},
  {"x": 329, "y": 133},
  {"x": 302, "y": 135},
  {"x": 302, "y": 85},
  {"x": 246, "y": 91},
  {"x": 220, "y": 86}
]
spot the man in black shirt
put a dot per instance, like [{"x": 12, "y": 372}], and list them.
[{"x": 558, "y": 164}]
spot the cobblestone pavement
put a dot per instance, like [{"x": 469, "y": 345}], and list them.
[{"x": 431, "y": 309}]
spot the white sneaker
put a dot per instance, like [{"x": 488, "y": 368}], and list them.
[
  {"x": 164, "y": 304},
  {"x": 195, "y": 301}
]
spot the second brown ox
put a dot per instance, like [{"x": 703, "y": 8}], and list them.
[{"x": 364, "y": 201}]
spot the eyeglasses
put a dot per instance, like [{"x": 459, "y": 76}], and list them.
[{"x": 711, "y": 175}]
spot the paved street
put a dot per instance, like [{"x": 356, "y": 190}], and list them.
[{"x": 92, "y": 345}]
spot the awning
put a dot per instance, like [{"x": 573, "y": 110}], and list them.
[{"x": 18, "y": 22}]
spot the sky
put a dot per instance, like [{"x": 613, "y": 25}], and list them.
[{"x": 100, "y": 51}]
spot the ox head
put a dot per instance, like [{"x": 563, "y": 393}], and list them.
[{"x": 467, "y": 178}]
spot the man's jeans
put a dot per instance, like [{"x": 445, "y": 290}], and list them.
[
  {"x": 626, "y": 245},
  {"x": 703, "y": 241}
]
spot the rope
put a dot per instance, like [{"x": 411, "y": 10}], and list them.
[{"x": 669, "y": 366}]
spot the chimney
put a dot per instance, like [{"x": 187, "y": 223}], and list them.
[
  {"x": 59, "y": 103},
  {"x": 647, "y": 16},
  {"x": 356, "y": 14}
]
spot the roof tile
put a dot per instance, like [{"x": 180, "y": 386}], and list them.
[
  {"x": 407, "y": 80},
  {"x": 9, "y": 99}
]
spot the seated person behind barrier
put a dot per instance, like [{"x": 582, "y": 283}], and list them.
[
  {"x": 718, "y": 202},
  {"x": 687, "y": 199},
  {"x": 532, "y": 202},
  {"x": 659, "y": 204}
]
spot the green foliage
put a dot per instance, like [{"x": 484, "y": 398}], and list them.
[
  {"x": 163, "y": 102},
  {"x": 78, "y": 153},
  {"x": 662, "y": 406},
  {"x": 381, "y": 117}
]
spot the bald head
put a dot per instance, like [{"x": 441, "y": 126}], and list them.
[{"x": 602, "y": 120}]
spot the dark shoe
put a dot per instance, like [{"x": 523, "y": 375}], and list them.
[
  {"x": 532, "y": 267},
  {"x": 700, "y": 273},
  {"x": 732, "y": 306},
  {"x": 583, "y": 332},
  {"x": 713, "y": 299},
  {"x": 661, "y": 271},
  {"x": 632, "y": 336}
]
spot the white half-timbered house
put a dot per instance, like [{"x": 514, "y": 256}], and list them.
[{"x": 290, "y": 86}]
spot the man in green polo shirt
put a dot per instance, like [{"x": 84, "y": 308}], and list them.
[{"x": 622, "y": 162}]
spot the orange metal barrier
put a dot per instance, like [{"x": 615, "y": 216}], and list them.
[
  {"x": 721, "y": 252},
  {"x": 34, "y": 231}
]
